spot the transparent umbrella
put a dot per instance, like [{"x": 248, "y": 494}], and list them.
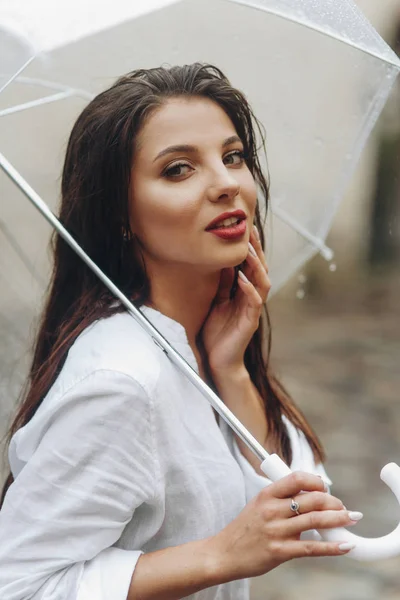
[{"x": 316, "y": 73}]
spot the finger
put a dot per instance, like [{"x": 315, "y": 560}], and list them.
[
  {"x": 253, "y": 298},
  {"x": 326, "y": 519},
  {"x": 296, "y": 482},
  {"x": 225, "y": 285},
  {"x": 256, "y": 250},
  {"x": 311, "y": 501},
  {"x": 256, "y": 242},
  {"x": 257, "y": 274},
  {"x": 302, "y": 549}
]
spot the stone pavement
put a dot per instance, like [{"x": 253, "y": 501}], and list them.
[{"x": 340, "y": 360}]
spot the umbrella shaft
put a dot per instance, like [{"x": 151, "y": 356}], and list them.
[{"x": 158, "y": 339}]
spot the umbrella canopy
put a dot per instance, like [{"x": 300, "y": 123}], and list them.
[{"x": 316, "y": 73}]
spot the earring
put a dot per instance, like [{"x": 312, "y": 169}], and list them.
[{"x": 126, "y": 235}]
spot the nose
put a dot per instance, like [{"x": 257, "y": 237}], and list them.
[{"x": 224, "y": 186}]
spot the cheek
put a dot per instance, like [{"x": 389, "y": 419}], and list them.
[
  {"x": 162, "y": 210},
  {"x": 249, "y": 193}
]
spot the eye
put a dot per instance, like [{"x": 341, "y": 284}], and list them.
[
  {"x": 175, "y": 171},
  {"x": 235, "y": 158}
]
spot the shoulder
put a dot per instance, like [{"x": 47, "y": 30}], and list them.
[
  {"x": 116, "y": 344},
  {"x": 107, "y": 382}
]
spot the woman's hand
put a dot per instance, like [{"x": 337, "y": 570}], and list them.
[
  {"x": 231, "y": 323},
  {"x": 267, "y": 532}
]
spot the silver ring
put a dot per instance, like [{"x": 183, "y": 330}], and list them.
[{"x": 294, "y": 506}]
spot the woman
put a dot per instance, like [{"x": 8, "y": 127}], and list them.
[{"x": 124, "y": 484}]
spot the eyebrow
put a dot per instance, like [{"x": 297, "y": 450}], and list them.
[{"x": 193, "y": 149}]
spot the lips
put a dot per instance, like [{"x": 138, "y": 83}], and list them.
[{"x": 240, "y": 215}]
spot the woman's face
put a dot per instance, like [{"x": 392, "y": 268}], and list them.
[{"x": 188, "y": 170}]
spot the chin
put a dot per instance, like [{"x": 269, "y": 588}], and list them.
[{"x": 234, "y": 258}]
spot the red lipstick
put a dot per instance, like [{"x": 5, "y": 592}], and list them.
[
  {"x": 239, "y": 214},
  {"x": 232, "y": 231}
]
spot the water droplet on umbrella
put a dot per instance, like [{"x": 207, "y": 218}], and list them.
[
  {"x": 302, "y": 278},
  {"x": 300, "y": 294},
  {"x": 332, "y": 267}
]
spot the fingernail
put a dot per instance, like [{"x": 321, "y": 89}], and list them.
[
  {"x": 252, "y": 251},
  {"x": 355, "y": 516},
  {"x": 326, "y": 486},
  {"x": 256, "y": 233},
  {"x": 346, "y": 546},
  {"x": 243, "y": 276}
]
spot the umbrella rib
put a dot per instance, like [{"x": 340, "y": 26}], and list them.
[
  {"x": 55, "y": 86},
  {"x": 15, "y": 76},
  {"x": 395, "y": 62},
  {"x": 33, "y": 103},
  {"x": 64, "y": 92},
  {"x": 375, "y": 108},
  {"x": 317, "y": 242}
]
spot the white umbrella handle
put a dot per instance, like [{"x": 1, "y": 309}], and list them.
[{"x": 366, "y": 549}]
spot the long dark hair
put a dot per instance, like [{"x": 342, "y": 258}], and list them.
[{"x": 94, "y": 209}]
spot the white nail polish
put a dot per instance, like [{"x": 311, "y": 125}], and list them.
[
  {"x": 243, "y": 276},
  {"x": 252, "y": 251},
  {"x": 355, "y": 516},
  {"x": 326, "y": 486},
  {"x": 346, "y": 546}
]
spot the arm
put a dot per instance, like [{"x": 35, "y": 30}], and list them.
[
  {"x": 226, "y": 334},
  {"x": 86, "y": 472},
  {"x": 180, "y": 571},
  {"x": 93, "y": 466},
  {"x": 240, "y": 395},
  {"x": 263, "y": 536}
]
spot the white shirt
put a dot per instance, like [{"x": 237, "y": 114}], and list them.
[{"x": 123, "y": 456}]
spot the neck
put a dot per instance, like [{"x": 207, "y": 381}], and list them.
[{"x": 184, "y": 295}]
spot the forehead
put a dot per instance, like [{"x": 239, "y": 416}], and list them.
[{"x": 197, "y": 121}]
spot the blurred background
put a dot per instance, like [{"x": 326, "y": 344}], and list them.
[{"x": 336, "y": 347}]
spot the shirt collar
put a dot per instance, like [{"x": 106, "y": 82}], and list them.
[{"x": 173, "y": 332}]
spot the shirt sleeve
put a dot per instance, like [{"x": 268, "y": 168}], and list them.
[
  {"x": 303, "y": 460},
  {"x": 93, "y": 466}
]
